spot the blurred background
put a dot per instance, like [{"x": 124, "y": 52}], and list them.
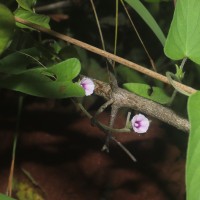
[{"x": 59, "y": 153}]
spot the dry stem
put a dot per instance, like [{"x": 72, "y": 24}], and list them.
[{"x": 107, "y": 55}]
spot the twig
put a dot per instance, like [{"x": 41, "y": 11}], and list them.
[
  {"x": 99, "y": 124},
  {"x": 124, "y": 149},
  {"x": 106, "y": 55},
  {"x": 106, "y": 128}
]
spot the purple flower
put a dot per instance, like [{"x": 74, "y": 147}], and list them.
[
  {"x": 88, "y": 85},
  {"x": 140, "y": 123}
]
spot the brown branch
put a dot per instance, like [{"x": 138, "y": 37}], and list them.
[
  {"x": 124, "y": 98},
  {"x": 106, "y": 55}
]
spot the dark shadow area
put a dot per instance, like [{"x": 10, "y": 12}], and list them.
[{"x": 61, "y": 150}]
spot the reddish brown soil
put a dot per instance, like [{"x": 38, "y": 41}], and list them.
[{"x": 62, "y": 152}]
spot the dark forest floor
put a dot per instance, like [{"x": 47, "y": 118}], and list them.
[{"x": 62, "y": 152}]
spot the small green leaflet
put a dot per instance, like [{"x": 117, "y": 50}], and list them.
[
  {"x": 4, "y": 197},
  {"x": 53, "y": 82},
  {"x": 7, "y": 26},
  {"x": 38, "y": 19},
  {"x": 155, "y": 93},
  {"x": 183, "y": 38},
  {"x": 193, "y": 151}
]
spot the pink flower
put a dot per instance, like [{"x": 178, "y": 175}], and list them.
[
  {"x": 88, "y": 85},
  {"x": 140, "y": 123}
]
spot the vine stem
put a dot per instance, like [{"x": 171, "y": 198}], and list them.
[
  {"x": 107, "y": 55},
  {"x": 16, "y": 135},
  {"x": 99, "y": 124},
  {"x": 105, "y": 128}
]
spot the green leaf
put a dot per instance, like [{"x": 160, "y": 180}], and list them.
[
  {"x": 7, "y": 26},
  {"x": 51, "y": 82},
  {"x": 183, "y": 38},
  {"x": 155, "y": 93},
  {"x": 66, "y": 70},
  {"x": 147, "y": 17},
  {"x": 41, "y": 20},
  {"x": 4, "y": 197},
  {"x": 16, "y": 63},
  {"x": 193, "y": 151},
  {"x": 26, "y": 4}
]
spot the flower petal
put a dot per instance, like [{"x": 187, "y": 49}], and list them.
[
  {"x": 140, "y": 123},
  {"x": 88, "y": 86}
]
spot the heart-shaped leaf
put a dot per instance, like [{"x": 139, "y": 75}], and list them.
[
  {"x": 183, "y": 39},
  {"x": 193, "y": 152},
  {"x": 51, "y": 82},
  {"x": 153, "y": 93}
]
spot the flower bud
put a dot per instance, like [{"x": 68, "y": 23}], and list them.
[
  {"x": 140, "y": 123},
  {"x": 88, "y": 85}
]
